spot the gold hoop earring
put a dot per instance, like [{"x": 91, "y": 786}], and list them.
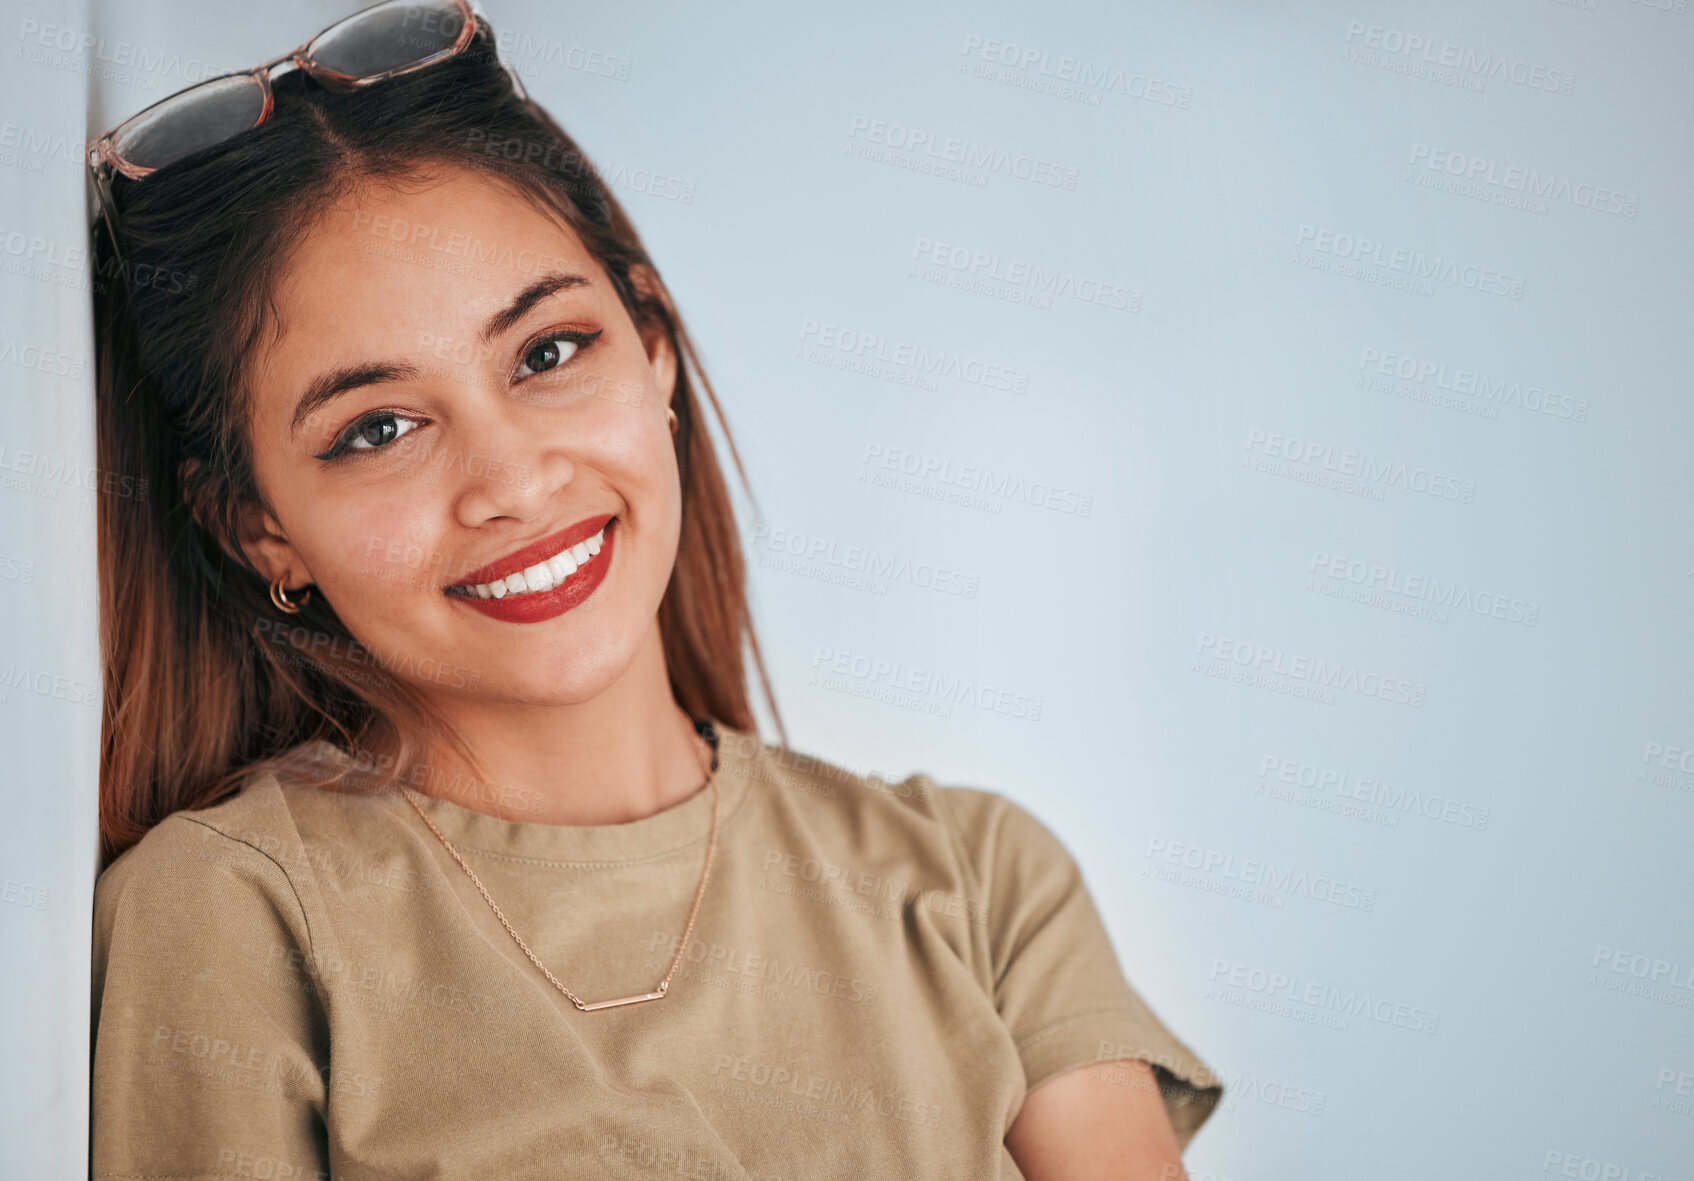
[
  {"x": 280, "y": 598},
  {"x": 670, "y": 416}
]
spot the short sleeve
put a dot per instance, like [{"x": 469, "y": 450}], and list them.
[
  {"x": 1057, "y": 981},
  {"x": 208, "y": 1032}
]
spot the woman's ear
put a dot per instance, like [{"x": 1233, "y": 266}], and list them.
[
  {"x": 262, "y": 542},
  {"x": 267, "y": 547},
  {"x": 650, "y": 289}
]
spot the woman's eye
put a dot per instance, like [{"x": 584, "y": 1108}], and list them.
[
  {"x": 372, "y": 433},
  {"x": 552, "y": 351}
]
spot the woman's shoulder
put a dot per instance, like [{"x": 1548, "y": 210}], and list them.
[
  {"x": 819, "y": 784},
  {"x": 253, "y": 834},
  {"x": 981, "y": 822},
  {"x": 199, "y": 921}
]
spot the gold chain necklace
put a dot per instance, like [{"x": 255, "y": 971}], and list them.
[{"x": 663, "y": 986}]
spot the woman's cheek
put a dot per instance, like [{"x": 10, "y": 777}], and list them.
[{"x": 387, "y": 553}]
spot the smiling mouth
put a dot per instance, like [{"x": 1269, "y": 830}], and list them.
[{"x": 563, "y": 566}]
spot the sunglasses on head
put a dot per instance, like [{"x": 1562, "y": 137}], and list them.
[{"x": 381, "y": 42}]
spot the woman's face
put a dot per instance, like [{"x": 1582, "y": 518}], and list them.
[{"x": 454, "y": 392}]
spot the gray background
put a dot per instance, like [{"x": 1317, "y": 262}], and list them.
[{"x": 1454, "y": 601}]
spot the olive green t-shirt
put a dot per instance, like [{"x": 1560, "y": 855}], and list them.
[{"x": 300, "y": 982}]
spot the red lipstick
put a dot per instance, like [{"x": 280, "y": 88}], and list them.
[{"x": 536, "y": 606}]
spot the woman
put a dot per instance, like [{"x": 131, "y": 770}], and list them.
[{"x": 448, "y": 847}]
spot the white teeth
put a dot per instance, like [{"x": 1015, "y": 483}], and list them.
[
  {"x": 543, "y": 575},
  {"x": 539, "y": 577}
]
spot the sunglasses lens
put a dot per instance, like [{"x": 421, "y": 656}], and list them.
[
  {"x": 388, "y": 37},
  {"x": 197, "y": 118}
]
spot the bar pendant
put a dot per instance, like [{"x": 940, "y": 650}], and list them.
[{"x": 624, "y": 1000}]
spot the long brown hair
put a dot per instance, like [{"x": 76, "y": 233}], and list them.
[{"x": 203, "y": 681}]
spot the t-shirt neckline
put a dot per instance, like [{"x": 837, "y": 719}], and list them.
[{"x": 680, "y": 827}]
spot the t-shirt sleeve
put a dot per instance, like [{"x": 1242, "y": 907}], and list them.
[
  {"x": 208, "y": 1032},
  {"x": 1057, "y": 981}
]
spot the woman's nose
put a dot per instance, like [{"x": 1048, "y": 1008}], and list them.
[{"x": 507, "y": 465}]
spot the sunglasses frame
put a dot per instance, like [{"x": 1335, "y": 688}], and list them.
[{"x": 104, "y": 158}]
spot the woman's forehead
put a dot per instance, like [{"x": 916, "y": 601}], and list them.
[{"x": 401, "y": 265}]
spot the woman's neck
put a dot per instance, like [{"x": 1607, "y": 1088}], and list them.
[{"x": 626, "y": 754}]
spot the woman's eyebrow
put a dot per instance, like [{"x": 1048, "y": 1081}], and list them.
[
  {"x": 336, "y": 382},
  {"x": 549, "y": 284}
]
